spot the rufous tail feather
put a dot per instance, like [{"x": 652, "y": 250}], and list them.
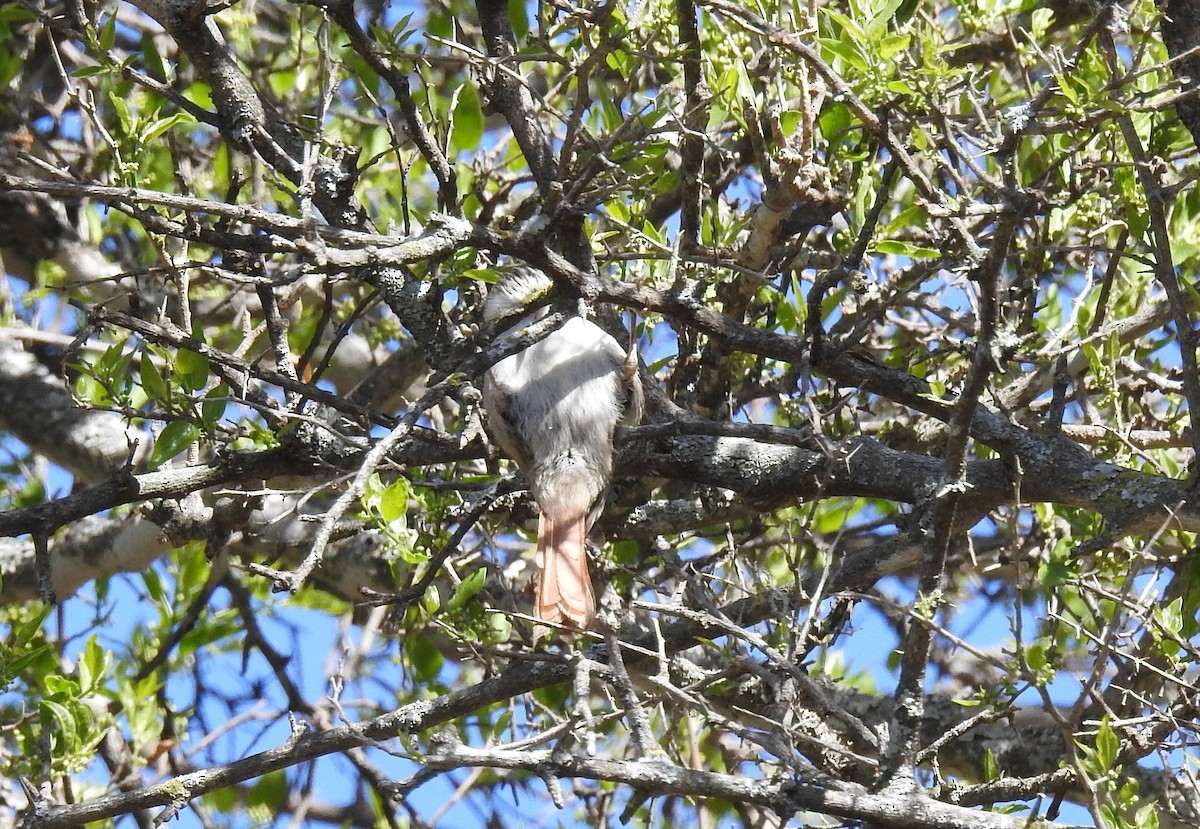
[{"x": 564, "y": 586}]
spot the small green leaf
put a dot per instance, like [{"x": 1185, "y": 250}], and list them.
[
  {"x": 1057, "y": 569},
  {"x": 61, "y": 686},
  {"x": 745, "y": 88},
  {"x": 1170, "y": 616},
  {"x": 884, "y": 11},
  {"x": 150, "y": 378},
  {"x": 13, "y": 669},
  {"x": 172, "y": 441},
  {"x": 30, "y": 628},
  {"x": 110, "y": 360},
  {"x": 895, "y": 246},
  {"x": 163, "y": 124},
  {"x": 124, "y": 115},
  {"x": 892, "y": 45},
  {"x": 1035, "y": 655},
  {"x": 192, "y": 369},
  {"x": 425, "y": 659},
  {"x": 991, "y": 769},
  {"x": 270, "y": 791},
  {"x": 618, "y": 210},
  {"x": 108, "y": 34},
  {"x": 466, "y": 590},
  {"x": 1108, "y": 744},
  {"x": 154, "y": 585},
  {"x": 156, "y": 67},
  {"x": 846, "y": 28},
  {"x": 12, "y": 13},
  {"x": 835, "y": 120},
  {"x": 1040, "y": 22},
  {"x": 89, "y": 390},
  {"x": 467, "y": 118},
  {"x": 485, "y": 275},
  {"x": 518, "y": 18},
  {"x": 785, "y": 313},
  {"x": 57, "y": 716},
  {"x": 401, "y": 30},
  {"x": 213, "y": 407},
  {"x": 93, "y": 664},
  {"x": 501, "y": 724},
  {"x": 393, "y": 502}
]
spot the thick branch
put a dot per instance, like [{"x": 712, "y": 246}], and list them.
[
  {"x": 512, "y": 97},
  {"x": 784, "y": 796}
]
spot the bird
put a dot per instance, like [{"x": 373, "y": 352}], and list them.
[{"x": 554, "y": 408}]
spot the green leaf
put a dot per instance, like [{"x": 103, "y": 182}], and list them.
[
  {"x": 1170, "y": 616},
  {"x": 27, "y": 630},
  {"x": 140, "y": 708},
  {"x": 899, "y": 248},
  {"x": 124, "y": 115},
  {"x": 61, "y": 686},
  {"x": 467, "y": 118},
  {"x": 785, "y": 313},
  {"x": 618, "y": 210},
  {"x": 518, "y": 18},
  {"x": 393, "y": 502},
  {"x": 835, "y": 120},
  {"x": 152, "y": 59},
  {"x": 401, "y": 30},
  {"x": 1035, "y": 655},
  {"x": 619, "y": 61},
  {"x": 892, "y": 45},
  {"x": 1108, "y": 744},
  {"x": 991, "y": 769},
  {"x": 163, "y": 124},
  {"x": 881, "y": 17},
  {"x": 93, "y": 665},
  {"x": 270, "y": 791},
  {"x": 745, "y": 89},
  {"x": 13, "y": 668},
  {"x": 847, "y": 29},
  {"x": 109, "y": 362},
  {"x": 213, "y": 407},
  {"x": 154, "y": 586},
  {"x": 466, "y": 590},
  {"x": 108, "y": 34},
  {"x": 486, "y": 275},
  {"x": 844, "y": 50},
  {"x": 499, "y": 726},
  {"x": 425, "y": 659},
  {"x": 12, "y": 13},
  {"x": 57, "y": 715},
  {"x": 172, "y": 441},
  {"x": 1040, "y": 22},
  {"x": 150, "y": 378},
  {"x": 191, "y": 369}
]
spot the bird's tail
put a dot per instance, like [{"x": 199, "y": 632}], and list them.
[{"x": 564, "y": 588}]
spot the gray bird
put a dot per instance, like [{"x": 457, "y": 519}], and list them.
[{"x": 554, "y": 409}]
